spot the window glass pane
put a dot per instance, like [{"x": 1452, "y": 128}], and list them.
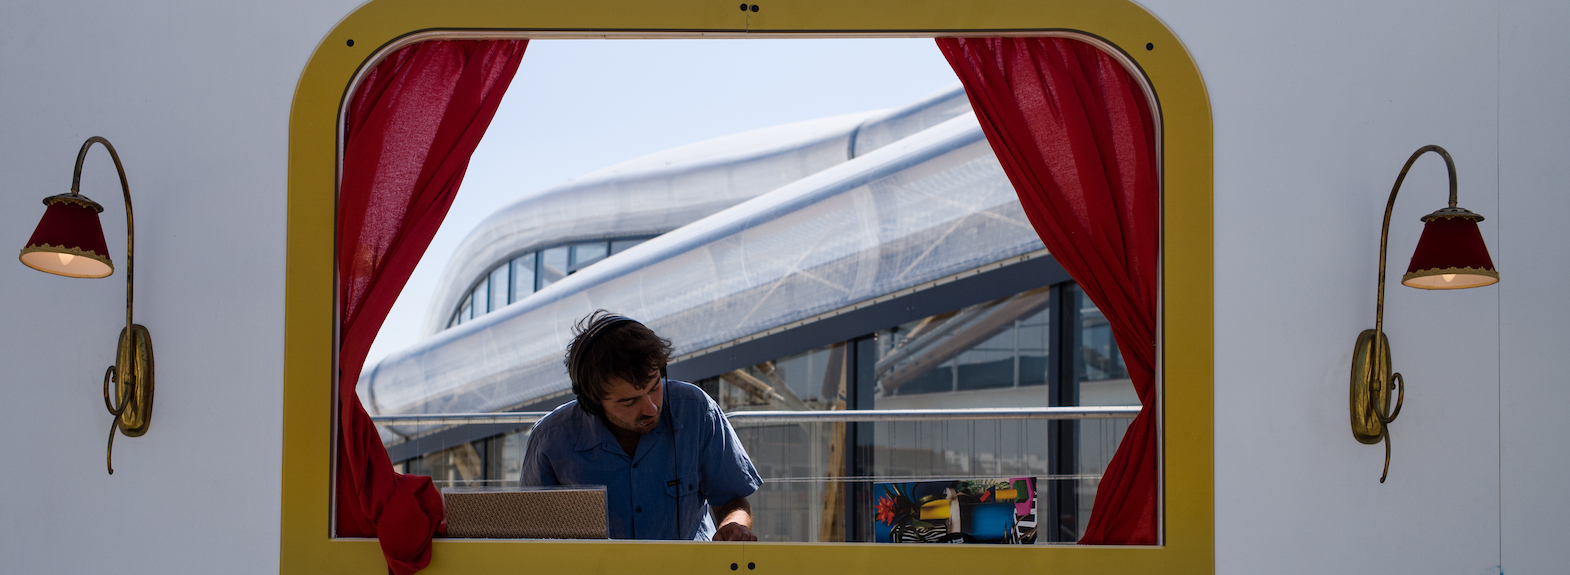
[
  {"x": 498, "y": 287},
  {"x": 433, "y": 465},
  {"x": 461, "y": 466},
  {"x": 585, "y": 254},
  {"x": 504, "y": 464},
  {"x": 1034, "y": 357},
  {"x": 988, "y": 364},
  {"x": 1100, "y": 378},
  {"x": 1098, "y": 367},
  {"x": 993, "y": 354},
  {"x": 468, "y": 464},
  {"x": 482, "y": 297},
  {"x": 465, "y": 311},
  {"x": 553, "y": 265},
  {"x": 619, "y": 246},
  {"x": 522, "y": 276},
  {"x": 811, "y": 380},
  {"x": 795, "y": 510}
]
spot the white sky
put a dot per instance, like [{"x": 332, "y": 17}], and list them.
[{"x": 579, "y": 105}]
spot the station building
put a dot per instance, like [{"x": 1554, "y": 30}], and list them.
[{"x": 868, "y": 261}]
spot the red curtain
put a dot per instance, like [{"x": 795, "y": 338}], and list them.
[
  {"x": 411, "y": 127},
  {"x": 1075, "y": 136}
]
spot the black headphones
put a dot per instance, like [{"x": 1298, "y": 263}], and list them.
[
  {"x": 575, "y": 365},
  {"x": 577, "y": 358}
]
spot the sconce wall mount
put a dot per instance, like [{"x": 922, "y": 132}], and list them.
[
  {"x": 69, "y": 241},
  {"x": 1450, "y": 254}
]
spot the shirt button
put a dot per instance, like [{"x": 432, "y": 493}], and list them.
[
  {"x": 634, "y": 466},
  {"x": 639, "y": 509}
]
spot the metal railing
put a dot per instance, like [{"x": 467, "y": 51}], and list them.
[
  {"x": 981, "y": 413},
  {"x": 839, "y": 416},
  {"x": 460, "y": 418}
]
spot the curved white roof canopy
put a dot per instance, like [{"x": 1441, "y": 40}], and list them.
[
  {"x": 660, "y": 192},
  {"x": 926, "y": 207}
]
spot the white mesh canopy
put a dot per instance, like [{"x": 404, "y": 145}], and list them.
[
  {"x": 660, "y": 192},
  {"x": 923, "y": 208}
]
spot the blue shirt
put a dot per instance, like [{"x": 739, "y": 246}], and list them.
[{"x": 570, "y": 447}]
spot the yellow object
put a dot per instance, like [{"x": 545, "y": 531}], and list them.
[
  {"x": 1186, "y": 382},
  {"x": 1005, "y": 494},
  {"x": 935, "y": 510}
]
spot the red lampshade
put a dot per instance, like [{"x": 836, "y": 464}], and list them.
[
  {"x": 69, "y": 241},
  {"x": 1451, "y": 253}
]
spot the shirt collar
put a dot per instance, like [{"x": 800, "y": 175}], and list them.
[{"x": 591, "y": 431}]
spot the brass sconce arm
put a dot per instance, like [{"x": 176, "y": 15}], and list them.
[
  {"x": 69, "y": 241},
  {"x": 1373, "y": 380},
  {"x": 131, "y": 404},
  {"x": 1384, "y": 230},
  {"x": 130, "y": 222}
]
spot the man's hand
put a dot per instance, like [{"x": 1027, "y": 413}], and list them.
[
  {"x": 735, "y": 521},
  {"x": 734, "y": 532}
]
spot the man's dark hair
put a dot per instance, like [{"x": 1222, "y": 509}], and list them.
[{"x": 627, "y": 350}]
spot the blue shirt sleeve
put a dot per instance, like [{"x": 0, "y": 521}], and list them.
[
  {"x": 537, "y": 470},
  {"x": 727, "y": 472}
]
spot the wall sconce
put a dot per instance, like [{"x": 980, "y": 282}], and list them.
[
  {"x": 69, "y": 241},
  {"x": 1450, "y": 255}
]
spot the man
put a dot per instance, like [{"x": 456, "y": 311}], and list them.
[{"x": 670, "y": 463}]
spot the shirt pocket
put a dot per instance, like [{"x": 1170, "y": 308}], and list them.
[{"x": 685, "y": 485}]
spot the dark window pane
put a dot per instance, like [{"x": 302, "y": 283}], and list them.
[
  {"x": 481, "y": 297},
  {"x": 814, "y": 379},
  {"x": 1034, "y": 356},
  {"x": 553, "y": 265},
  {"x": 508, "y": 463},
  {"x": 1099, "y": 356},
  {"x": 522, "y": 276},
  {"x": 498, "y": 284},
  {"x": 989, "y": 364},
  {"x": 619, "y": 246},
  {"x": 1100, "y": 378},
  {"x": 998, "y": 344},
  {"x": 585, "y": 254}
]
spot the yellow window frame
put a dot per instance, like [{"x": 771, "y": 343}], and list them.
[{"x": 1136, "y": 35}]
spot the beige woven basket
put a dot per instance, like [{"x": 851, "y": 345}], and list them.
[{"x": 569, "y": 513}]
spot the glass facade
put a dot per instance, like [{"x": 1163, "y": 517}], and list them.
[
  {"x": 867, "y": 226},
  {"x": 530, "y": 272},
  {"x": 1097, "y": 377},
  {"x": 674, "y": 188},
  {"x": 522, "y": 276},
  {"x": 553, "y": 265},
  {"x": 493, "y": 461},
  {"x": 1044, "y": 347},
  {"x": 998, "y": 345},
  {"x": 891, "y": 220}
]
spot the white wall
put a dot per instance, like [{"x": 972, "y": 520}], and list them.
[
  {"x": 195, "y": 96},
  {"x": 1534, "y": 318},
  {"x": 1316, "y": 106}
]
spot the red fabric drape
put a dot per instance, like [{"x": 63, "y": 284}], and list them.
[
  {"x": 1074, "y": 134},
  {"x": 411, "y": 127}
]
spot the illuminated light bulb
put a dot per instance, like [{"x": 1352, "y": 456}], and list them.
[
  {"x": 65, "y": 259},
  {"x": 1448, "y": 277}
]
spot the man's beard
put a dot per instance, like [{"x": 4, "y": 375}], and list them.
[{"x": 643, "y": 424}]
